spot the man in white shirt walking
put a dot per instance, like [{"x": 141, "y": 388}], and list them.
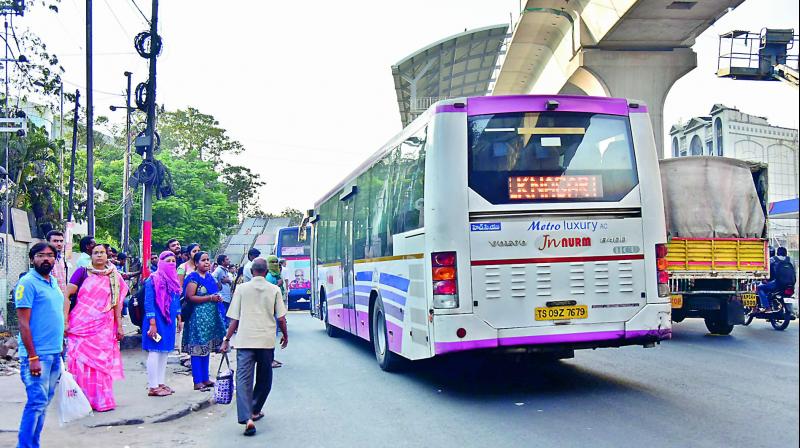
[{"x": 256, "y": 310}]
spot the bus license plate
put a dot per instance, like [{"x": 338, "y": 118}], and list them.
[
  {"x": 562, "y": 312},
  {"x": 750, "y": 300},
  {"x": 677, "y": 300}
]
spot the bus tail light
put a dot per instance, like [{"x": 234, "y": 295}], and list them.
[
  {"x": 445, "y": 279},
  {"x": 661, "y": 270}
]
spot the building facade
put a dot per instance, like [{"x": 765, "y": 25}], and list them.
[{"x": 728, "y": 132}]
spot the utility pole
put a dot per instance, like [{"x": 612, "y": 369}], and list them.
[
  {"x": 71, "y": 201},
  {"x": 61, "y": 156},
  {"x": 147, "y": 212},
  {"x": 89, "y": 123},
  {"x": 126, "y": 204},
  {"x": 6, "y": 214}
]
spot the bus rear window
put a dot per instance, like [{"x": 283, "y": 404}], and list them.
[
  {"x": 291, "y": 247},
  {"x": 551, "y": 157}
]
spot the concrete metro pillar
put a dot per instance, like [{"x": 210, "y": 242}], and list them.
[{"x": 642, "y": 75}]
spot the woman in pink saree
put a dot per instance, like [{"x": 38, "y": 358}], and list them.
[{"x": 95, "y": 329}]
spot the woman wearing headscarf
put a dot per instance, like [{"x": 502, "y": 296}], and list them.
[
  {"x": 274, "y": 277},
  {"x": 95, "y": 329},
  {"x": 204, "y": 327},
  {"x": 162, "y": 310},
  {"x": 274, "y": 274},
  {"x": 190, "y": 266}
]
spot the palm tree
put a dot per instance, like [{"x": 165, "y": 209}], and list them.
[{"x": 33, "y": 164}]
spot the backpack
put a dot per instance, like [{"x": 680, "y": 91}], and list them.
[
  {"x": 784, "y": 272},
  {"x": 136, "y": 305}
]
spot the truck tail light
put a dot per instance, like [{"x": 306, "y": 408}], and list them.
[
  {"x": 445, "y": 279},
  {"x": 661, "y": 270}
]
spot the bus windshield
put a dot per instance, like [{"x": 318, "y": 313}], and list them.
[
  {"x": 289, "y": 246},
  {"x": 551, "y": 157}
]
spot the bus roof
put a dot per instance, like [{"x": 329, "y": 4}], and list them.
[{"x": 481, "y": 105}]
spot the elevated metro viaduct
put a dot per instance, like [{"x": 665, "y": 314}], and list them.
[{"x": 622, "y": 48}]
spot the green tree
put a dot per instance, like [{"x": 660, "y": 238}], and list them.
[
  {"x": 33, "y": 169},
  {"x": 243, "y": 188},
  {"x": 39, "y": 72},
  {"x": 294, "y": 215},
  {"x": 194, "y": 134},
  {"x": 200, "y": 210}
]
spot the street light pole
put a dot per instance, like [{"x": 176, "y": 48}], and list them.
[{"x": 89, "y": 123}]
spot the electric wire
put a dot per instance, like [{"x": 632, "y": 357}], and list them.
[
  {"x": 102, "y": 92},
  {"x": 122, "y": 27},
  {"x": 140, "y": 12}
]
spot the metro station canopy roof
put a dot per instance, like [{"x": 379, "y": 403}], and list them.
[
  {"x": 787, "y": 209},
  {"x": 460, "y": 65}
]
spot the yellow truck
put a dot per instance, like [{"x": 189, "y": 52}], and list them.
[{"x": 716, "y": 212}]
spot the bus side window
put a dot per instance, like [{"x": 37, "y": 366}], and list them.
[
  {"x": 409, "y": 170},
  {"x": 361, "y": 216}
]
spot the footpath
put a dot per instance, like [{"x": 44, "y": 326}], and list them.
[{"x": 134, "y": 406}]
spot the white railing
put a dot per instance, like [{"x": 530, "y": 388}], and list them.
[{"x": 421, "y": 104}]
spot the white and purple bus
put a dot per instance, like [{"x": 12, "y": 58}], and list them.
[
  {"x": 296, "y": 251},
  {"x": 527, "y": 222}
]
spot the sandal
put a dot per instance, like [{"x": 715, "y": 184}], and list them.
[
  {"x": 257, "y": 417},
  {"x": 201, "y": 387},
  {"x": 209, "y": 383},
  {"x": 157, "y": 393},
  {"x": 250, "y": 429},
  {"x": 276, "y": 364},
  {"x": 166, "y": 388}
]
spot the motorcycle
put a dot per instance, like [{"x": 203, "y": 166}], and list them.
[{"x": 779, "y": 316}]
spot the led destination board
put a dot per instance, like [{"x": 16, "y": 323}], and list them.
[{"x": 555, "y": 187}]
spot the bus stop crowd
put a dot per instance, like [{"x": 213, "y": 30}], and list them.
[{"x": 71, "y": 319}]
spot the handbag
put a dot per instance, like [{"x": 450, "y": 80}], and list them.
[
  {"x": 187, "y": 308},
  {"x": 223, "y": 388},
  {"x": 136, "y": 305}
]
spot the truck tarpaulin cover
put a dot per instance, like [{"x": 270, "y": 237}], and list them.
[{"x": 710, "y": 197}]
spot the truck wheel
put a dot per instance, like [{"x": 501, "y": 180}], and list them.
[
  {"x": 717, "y": 326},
  {"x": 387, "y": 360}
]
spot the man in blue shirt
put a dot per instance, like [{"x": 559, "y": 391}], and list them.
[{"x": 40, "y": 310}]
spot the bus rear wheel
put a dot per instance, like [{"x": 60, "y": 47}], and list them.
[
  {"x": 387, "y": 360},
  {"x": 330, "y": 330}
]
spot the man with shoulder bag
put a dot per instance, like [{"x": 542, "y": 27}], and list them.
[{"x": 256, "y": 310}]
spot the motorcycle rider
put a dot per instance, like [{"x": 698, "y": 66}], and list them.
[{"x": 781, "y": 276}]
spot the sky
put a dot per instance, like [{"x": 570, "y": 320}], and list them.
[{"x": 306, "y": 86}]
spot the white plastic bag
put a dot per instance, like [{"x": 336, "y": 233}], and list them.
[{"x": 72, "y": 403}]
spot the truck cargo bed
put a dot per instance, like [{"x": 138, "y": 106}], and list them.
[{"x": 734, "y": 258}]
